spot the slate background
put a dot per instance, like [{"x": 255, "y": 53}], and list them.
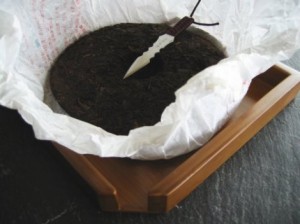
[{"x": 259, "y": 184}]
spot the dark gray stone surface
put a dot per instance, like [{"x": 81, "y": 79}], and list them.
[{"x": 259, "y": 184}]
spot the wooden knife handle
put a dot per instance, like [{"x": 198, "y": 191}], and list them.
[{"x": 180, "y": 26}]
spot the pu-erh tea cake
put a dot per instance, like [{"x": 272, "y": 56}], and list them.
[{"x": 87, "y": 78}]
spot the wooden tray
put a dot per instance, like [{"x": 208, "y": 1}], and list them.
[{"x": 157, "y": 186}]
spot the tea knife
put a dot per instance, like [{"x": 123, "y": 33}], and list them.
[{"x": 163, "y": 40}]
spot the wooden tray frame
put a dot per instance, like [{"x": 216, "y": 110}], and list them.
[{"x": 157, "y": 186}]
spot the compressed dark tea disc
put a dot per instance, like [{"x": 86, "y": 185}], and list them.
[{"x": 87, "y": 78}]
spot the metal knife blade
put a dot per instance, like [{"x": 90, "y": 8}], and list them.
[{"x": 161, "y": 42}]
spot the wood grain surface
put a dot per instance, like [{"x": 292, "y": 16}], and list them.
[{"x": 259, "y": 184}]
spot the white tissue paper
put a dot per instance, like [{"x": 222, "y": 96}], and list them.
[{"x": 33, "y": 33}]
